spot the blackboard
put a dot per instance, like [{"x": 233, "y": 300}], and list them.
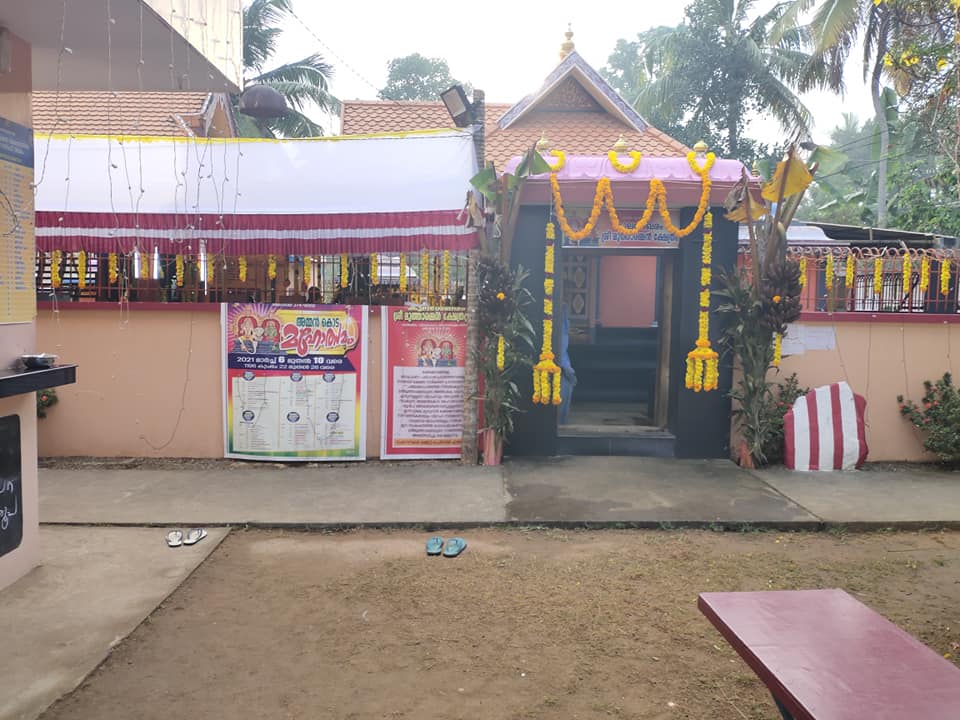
[{"x": 11, "y": 484}]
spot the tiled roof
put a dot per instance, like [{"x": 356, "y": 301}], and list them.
[
  {"x": 576, "y": 132},
  {"x": 362, "y": 117},
  {"x": 122, "y": 113}
]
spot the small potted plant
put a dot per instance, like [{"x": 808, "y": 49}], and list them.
[
  {"x": 506, "y": 347},
  {"x": 45, "y": 399}
]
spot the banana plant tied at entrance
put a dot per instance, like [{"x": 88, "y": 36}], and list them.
[
  {"x": 703, "y": 361},
  {"x": 546, "y": 368}
]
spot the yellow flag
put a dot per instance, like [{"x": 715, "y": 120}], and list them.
[
  {"x": 797, "y": 179},
  {"x": 739, "y": 213}
]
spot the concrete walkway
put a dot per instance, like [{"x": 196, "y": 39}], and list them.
[
  {"x": 567, "y": 490},
  {"x": 94, "y": 586}
]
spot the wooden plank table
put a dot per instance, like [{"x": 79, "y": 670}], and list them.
[{"x": 826, "y": 656}]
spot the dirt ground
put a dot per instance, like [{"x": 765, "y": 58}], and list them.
[{"x": 526, "y": 624}]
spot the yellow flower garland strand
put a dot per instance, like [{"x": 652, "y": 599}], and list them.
[
  {"x": 546, "y": 367},
  {"x": 849, "y": 272},
  {"x": 603, "y": 195},
  {"x": 242, "y": 268},
  {"x": 446, "y": 272},
  {"x": 112, "y": 268},
  {"x": 561, "y": 157},
  {"x": 777, "y": 349},
  {"x": 374, "y": 270},
  {"x": 55, "y": 268},
  {"x": 403, "y": 272},
  {"x": 828, "y": 273},
  {"x": 924, "y": 274},
  {"x": 344, "y": 270},
  {"x": 703, "y": 362},
  {"x": 145, "y": 266},
  {"x": 944, "y": 276},
  {"x": 178, "y": 270},
  {"x": 619, "y": 166},
  {"x": 424, "y": 277},
  {"x": 501, "y": 352},
  {"x": 272, "y": 267},
  {"x": 211, "y": 269},
  {"x": 877, "y": 275},
  {"x": 907, "y": 273},
  {"x": 81, "y": 269},
  {"x": 803, "y": 272}
]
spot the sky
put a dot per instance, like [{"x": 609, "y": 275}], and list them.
[{"x": 505, "y": 48}]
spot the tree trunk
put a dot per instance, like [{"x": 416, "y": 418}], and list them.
[
  {"x": 468, "y": 447},
  {"x": 881, "y": 117}
]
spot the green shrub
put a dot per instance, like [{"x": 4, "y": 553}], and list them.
[
  {"x": 938, "y": 416},
  {"x": 784, "y": 396}
]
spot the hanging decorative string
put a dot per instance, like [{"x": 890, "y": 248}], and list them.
[
  {"x": 877, "y": 275},
  {"x": 403, "y": 272},
  {"x": 803, "y": 271},
  {"x": 344, "y": 270},
  {"x": 242, "y": 268},
  {"x": 501, "y": 352},
  {"x": 81, "y": 269},
  {"x": 546, "y": 367},
  {"x": 178, "y": 261},
  {"x": 924, "y": 274},
  {"x": 703, "y": 361},
  {"x": 145, "y": 266},
  {"x": 907, "y": 273},
  {"x": 828, "y": 272},
  {"x": 271, "y": 267},
  {"x": 424, "y": 277},
  {"x": 944, "y": 276},
  {"x": 374, "y": 270},
  {"x": 307, "y": 270},
  {"x": 211, "y": 269},
  {"x": 112, "y": 269},
  {"x": 849, "y": 272}
]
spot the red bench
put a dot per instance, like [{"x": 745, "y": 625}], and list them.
[{"x": 826, "y": 656}]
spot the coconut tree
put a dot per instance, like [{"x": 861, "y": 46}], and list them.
[
  {"x": 706, "y": 74},
  {"x": 301, "y": 83}
]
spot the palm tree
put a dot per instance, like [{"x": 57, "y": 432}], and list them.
[
  {"x": 300, "y": 83},
  {"x": 705, "y": 74},
  {"x": 836, "y": 27}
]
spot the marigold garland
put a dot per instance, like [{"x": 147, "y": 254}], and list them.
[
  {"x": 81, "y": 269},
  {"x": 619, "y": 166},
  {"x": 242, "y": 268},
  {"x": 703, "y": 362},
  {"x": 561, "y": 157},
  {"x": 907, "y": 273},
  {"x": 211, "y": 270},
  {"x": 546, "y": 367},
  {"x": 777, "y": 349},
  {"x": 55, "y": 268},
  {"x": 344, "y": 270},
  {"x": 849, "y": 272},
  {"x": 877, "y": 275},
  {"x": 924, "y": 274},
  {"x": 403, "y": 272},
  {"x": 272, "y": 267},
  {"x": 374, "y": 269},
  {"x": 944, "y": 276},
  {"x": 424, "y": 276},
  {"x": 145, "y": 266},
  {"x": 828, "y": 273},
  {"x": 501, "y": 353},
  {"x": 112, "y": 268},
  {"x": 446, "y": 272},
  {"x": 657, "y": 198},
  {"x": 803, "y": 271}
]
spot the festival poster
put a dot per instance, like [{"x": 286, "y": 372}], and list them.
[
  {"x": 295, "y": 381},
  {"x": 424, "y": 350},
  {"x": 653, "y": 234}
]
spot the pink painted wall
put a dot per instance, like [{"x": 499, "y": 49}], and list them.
[
  {"x": 149, "y": 382},
  {"x": 628, "y": 290},
  {"x": 881, "y": 359}
]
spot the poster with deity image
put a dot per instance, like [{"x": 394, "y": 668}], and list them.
[
  {"x": 294, "y": 381},
  {"x": 424, "y": 350}
]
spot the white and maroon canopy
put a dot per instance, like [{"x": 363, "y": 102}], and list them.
[{"x": 391, "y": 193}]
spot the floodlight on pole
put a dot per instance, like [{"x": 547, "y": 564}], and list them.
[{"x": 460, "y": 109}]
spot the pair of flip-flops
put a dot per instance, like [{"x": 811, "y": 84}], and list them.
[
  {"x": 452, "y": 548},
  {"x": 176, "y": 538}
]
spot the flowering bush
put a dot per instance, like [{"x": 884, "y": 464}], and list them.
[
  {"x": 45, "y": 399},
  {"x": 938, "y": 416}
]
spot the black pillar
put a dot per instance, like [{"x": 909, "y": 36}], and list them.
[
  {"x": 700, "y": 421},
  {"x": 535, "y": 426}
]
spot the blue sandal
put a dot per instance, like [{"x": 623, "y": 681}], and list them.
[
  {"x": 434, "y": 545},
  {"x": 454, "y": 547}
]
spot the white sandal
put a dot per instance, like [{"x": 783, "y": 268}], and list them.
[
  {"x": 194, "y": 536},
  {"x": 175, "y": 538}
]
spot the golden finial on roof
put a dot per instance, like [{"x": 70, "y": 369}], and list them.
[
  {"x": 701, "y": 147},
  {"x": 566, "y": 47},
  {"x": 621, "y": 146},
  {"x": 543, "y": 145}
]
